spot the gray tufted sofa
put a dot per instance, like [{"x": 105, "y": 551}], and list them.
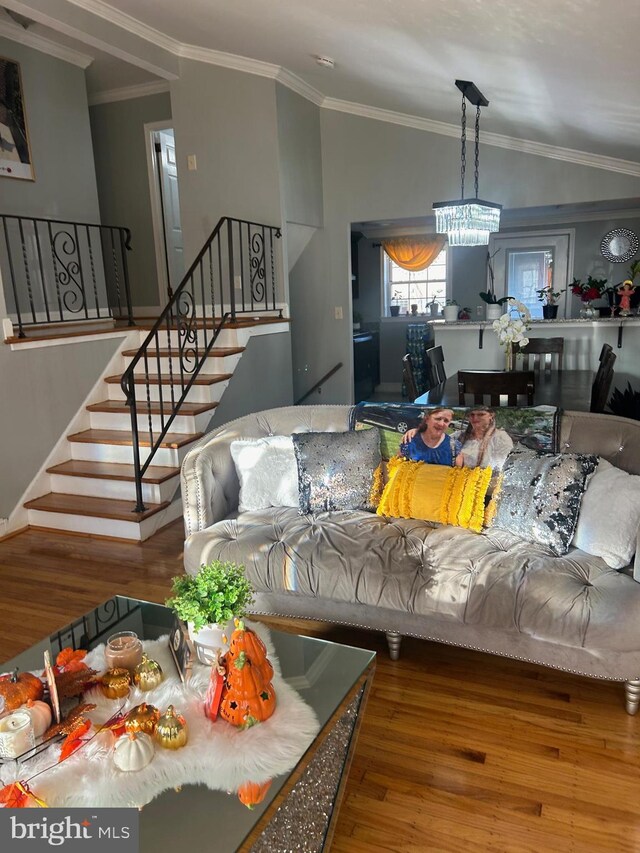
[{"x": 489, "y": 591}]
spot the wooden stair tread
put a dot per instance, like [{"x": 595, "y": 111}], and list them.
[
  {"x": 155, "y": 474},
  {"x": 168, "y": 379},
  {"x": 165, "y": 352},
  {"x": 120, "y": 407},
  {"x": 123, "y": 437},
  {"x": 231, "y": 324},
  {"x": 98, "y": 507}
]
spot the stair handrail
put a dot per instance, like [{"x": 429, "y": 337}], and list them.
[
  {"x": 320, "y": 382},
  {"x": 181, "y": 308},
  {"x": 53, "y": 270}
]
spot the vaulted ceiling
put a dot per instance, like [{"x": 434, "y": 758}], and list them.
[{"x": 560, "y": 73}]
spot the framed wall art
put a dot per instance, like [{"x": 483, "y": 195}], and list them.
[{"x": 15, "y": 152}]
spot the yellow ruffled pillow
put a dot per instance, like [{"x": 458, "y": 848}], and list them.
[{"x": 436, "y": 493}]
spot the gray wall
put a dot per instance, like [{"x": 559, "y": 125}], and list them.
[
  {"x": 378, "y": 171},
  {"x": 41, "y": 391},
  {"x": 123, "y": 182},
  {"x": 228, "y": 120},
  {"x": 261, "y": 380},
  {"x": 300, "y": 157},
  {"x": 55, "y": 100}
]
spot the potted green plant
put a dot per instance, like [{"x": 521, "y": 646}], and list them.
[
  {"x": 549, "y": 298},
  {"x": 494, "y": 305},
  {"x": 394, "y": 308},
  {"x": 434, "y": 305},
  {"x": 451, "y": 310},
  {"x": 208, "y": 602}
]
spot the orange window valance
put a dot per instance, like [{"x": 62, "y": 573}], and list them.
[{"x": 414, "y": 253}]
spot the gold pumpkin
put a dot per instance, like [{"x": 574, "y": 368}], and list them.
[
  {"x": 142, "y": 718},
  {"x": 148, "y": 674},
  {"x": 171, "y": 729},
  {"x": 115, "y": 683}
]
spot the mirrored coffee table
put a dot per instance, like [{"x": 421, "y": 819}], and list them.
[{"x": 301, "y": 807}]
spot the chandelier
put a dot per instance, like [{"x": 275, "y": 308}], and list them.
[{"x": 468, "y": 222}]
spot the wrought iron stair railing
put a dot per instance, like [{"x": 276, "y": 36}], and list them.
[
  {"x": 58, "y": 271},
  {"x": 235, "y": 273}
]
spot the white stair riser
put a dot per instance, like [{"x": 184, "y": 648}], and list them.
[
  {"x": 171, "y": 366},
  {"x": 124, "y": 490},
  {"x": 120, "y": 420},
  {"x": 164, "y": 456},
  {"x": 197, "y": 393},
  {"x": 106, "y": 526},
  {"x": 226, "y": 338}
]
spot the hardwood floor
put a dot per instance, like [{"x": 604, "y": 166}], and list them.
[{"x": 459, "y": 751}]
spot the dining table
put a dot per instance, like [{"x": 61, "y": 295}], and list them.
[{"x": 566, "y": 389}]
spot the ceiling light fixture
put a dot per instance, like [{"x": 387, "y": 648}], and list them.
[{"x": 468, "y": 222}]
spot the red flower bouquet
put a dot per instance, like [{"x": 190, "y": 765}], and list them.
[{"x": 591, "y": 289}]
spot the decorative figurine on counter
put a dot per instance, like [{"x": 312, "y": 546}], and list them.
[{"x": 625, "y": 292}]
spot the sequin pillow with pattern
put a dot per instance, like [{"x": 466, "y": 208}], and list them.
[
  {"x": 539, "y": 496},
  {"x": 336, "y": 469}
]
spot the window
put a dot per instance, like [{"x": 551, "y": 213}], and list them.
[
  {"x": 526, "y": 262},
  {"x": 405, "y": 288}
]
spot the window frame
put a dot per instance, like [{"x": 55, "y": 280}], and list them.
[{"x": 386, "y": 263}]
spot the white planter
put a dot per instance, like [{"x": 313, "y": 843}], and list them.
[
  {"x": 450, "y": 312},
  {"x": 493, "y": 312},
  {"x": 211, "y": 641}
]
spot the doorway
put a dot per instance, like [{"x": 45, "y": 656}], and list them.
[{"x": 165, "y": 208}]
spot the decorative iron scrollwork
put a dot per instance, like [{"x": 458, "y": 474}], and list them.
[
  {"x": 187, "y": 331},
  {"x": 258, "y": 267},
  {"x": 65, "y": 251}
]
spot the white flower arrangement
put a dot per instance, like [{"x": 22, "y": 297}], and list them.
[{"x": 511, "y": 328}]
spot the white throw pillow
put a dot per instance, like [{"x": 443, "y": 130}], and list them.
[
  {"x": 610, "y": 516},
  {"x": 267, "y": 471}
]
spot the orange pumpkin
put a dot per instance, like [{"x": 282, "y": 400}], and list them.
[
  {"x": 18, "y": 688},
  {"x": 248, "y": 696},
  {"x": 252, "y": 793}
]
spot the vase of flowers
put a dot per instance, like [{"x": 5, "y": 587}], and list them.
[
  {"x": 511, "y": 329},
  {"x": 495, "y": 306},
  {"x": 549, "y": 298},
  {"x": 588, "y": 291}
]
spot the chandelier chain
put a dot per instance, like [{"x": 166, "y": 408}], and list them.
[
  {"x": 477, "y": 164},
  {"x": 463, "y": 141}
]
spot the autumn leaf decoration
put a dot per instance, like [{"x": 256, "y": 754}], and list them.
[
  {"x": 73, "y": 740},
  {"x": 18, "y": 795},
  {"x": 70, "y": 661}
]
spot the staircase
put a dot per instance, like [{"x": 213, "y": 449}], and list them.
[
  {"x": 94, "y": 490},
  {"x": 121, "y": 477}
]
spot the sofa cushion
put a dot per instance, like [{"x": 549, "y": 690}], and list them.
[
  {"x": 267, "y": 472},
  {"x": 493, "y": 579},
  {"x": 610, "y": 516},
  {"x": 436, "y": 493},
  {"x": 336, "y": 469},
  {"x": 539, "y": 496}
]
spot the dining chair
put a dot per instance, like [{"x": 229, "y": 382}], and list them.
[
  {"x": 435, "y": 365},
  {"x": 603, "y": 379},
  {"x": 496, "y": 384},
  {"x": 541, "y": 352},
  {"x": 408, "y": 378}
]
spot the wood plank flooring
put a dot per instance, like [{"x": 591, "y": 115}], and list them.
[{"x": 458, "y": 751}]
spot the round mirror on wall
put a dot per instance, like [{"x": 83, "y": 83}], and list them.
[{"x": 619, "y": 245}]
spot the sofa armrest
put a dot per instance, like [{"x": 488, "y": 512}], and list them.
[
  {"x": 636, "y": 561},
  {"x": 203, "y": 470}
]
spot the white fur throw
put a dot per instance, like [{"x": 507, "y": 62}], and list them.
[
  {"x": 267, "y": 471},
  {"x": 217, "y": 755}
]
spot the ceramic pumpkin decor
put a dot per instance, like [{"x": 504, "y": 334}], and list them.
[
  {"x": 17, "y": 688},
  {"x": 40, "y": 714},
  {"x": 133, "y": 751},
  {"x": 248, "y": 696}
]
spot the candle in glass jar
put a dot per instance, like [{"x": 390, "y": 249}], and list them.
[
  {"x": 123, "y": 651},
  {"x": 16, "y": 734}
]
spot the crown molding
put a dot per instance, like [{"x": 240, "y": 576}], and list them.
[
  {"x": 497, "y": 140},
  {"x": 127, "y": 93},
  {"x": 16, "y": 33},
  {"x": 292, "y": 81}
]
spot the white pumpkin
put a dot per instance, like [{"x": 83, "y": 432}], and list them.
[
  {"x": 133, "y": 751},
  {"x": 40, "y": 714}
]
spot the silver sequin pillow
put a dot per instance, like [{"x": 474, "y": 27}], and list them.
[
  {"x": 335, "y": 469},
  {"x": 540, "y": 495}
]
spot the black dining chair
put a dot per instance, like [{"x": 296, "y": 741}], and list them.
[
  {"x": 496, "y": 385},
  {"x": 603, "y": 379},
  {"x": 408, "y": 377},
  {"x": 541, "y": 352},
  {"x": 434, "y": 358}
]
